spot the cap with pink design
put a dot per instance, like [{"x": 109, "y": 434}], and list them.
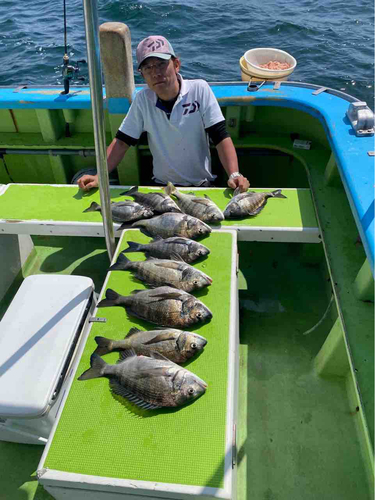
[{"x": 154, "y": 46}]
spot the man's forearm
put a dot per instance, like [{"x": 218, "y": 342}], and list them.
[
  {"x": 115, "y": 153},
  {"x": 228, "y": 155}
]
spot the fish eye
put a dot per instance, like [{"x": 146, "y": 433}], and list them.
[
  {"x": 193, "y": 345},
  {"x": 199, "y": 314},
  {"x": 190, "y": 391}
]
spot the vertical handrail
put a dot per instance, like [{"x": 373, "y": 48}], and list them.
[{"x": 96, "y": 89}]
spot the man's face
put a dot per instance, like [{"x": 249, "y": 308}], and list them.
[{"x": 161, "y": 76}]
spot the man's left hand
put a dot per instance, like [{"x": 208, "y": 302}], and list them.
[{"x": 239, "y": 182}]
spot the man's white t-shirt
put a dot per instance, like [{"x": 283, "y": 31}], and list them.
[{"x": 179, "y": 145}]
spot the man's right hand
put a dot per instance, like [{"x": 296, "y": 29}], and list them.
[{"x": 87, "y": 182}]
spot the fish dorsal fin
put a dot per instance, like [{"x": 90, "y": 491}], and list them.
[
  {"x": 162, "y": 337},
  {"x": 178, "y": 239},
  {"x": 157, "y": 355},
  {"x": 207, "y": 197},
  {"x": 128, "y": 203},
  {"x": 162, "y": 195},
  {"x": 236, "y": 191},
  {"x": 130, "y": 191},
  {"x": 132, "y": 331},
  {"x": 126, "y": 353},
  {"x": 201, "y": 201},
  {"x": 134, "y": 292},
  {"x": 170, "y": 295},
  {"x": 168, "y": 264}
]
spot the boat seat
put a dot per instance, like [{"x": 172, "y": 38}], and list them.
[
  {"x": 40, "y": 333},
  {"x": 58, "y": 210}
]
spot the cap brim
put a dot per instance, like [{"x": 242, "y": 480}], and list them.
[{"x": 159, "y": 55}]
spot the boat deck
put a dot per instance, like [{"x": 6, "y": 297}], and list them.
[
  {"x": 296, "y": 432},
  {"x": 297, "y": 436}
]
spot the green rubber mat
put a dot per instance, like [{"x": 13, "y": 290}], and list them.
[
  {"x": 101, "y": 434},
  {"x": 67, "y": 203}
]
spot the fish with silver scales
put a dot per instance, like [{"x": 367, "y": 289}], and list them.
[
  {"x": 159, "y": 272},
  {"x": 164, "y": 306},
  {"x": 158, "y": 202},
  {"x": 203, "y": 208},
  {"x": 148, "y": 382},
  {"x": 189, "y": 250},
  {"x": 249, "y": 203},
  {"x": 172, "y": 224},
  {"x": 176, "y": 345},
  {"x": 124, "y": 211}
]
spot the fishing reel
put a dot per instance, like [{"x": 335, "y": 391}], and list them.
[{"x": 69, "y": 71}]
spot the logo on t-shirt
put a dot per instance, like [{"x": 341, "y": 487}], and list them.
[{"x": 191, "y": 107}]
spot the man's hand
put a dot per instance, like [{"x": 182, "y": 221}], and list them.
[
  {"x": 87, "y": 182},
  {"x": 239, "y": 182}
]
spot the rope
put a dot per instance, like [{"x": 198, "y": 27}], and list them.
[{"x": 322, "y": 319}]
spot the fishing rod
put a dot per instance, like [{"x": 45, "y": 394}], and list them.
[{"x": 68, "y": 70}]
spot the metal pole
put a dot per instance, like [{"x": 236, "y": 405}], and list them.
[{"x": 96, "y": 87}]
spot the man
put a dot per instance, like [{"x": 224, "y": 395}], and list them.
[{"x": 178, "y": 116}]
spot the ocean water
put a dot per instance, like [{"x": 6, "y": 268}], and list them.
[{"x": 333, "y": 41}]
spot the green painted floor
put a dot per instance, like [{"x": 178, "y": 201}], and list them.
[
  {"x": 85, "y": 257},
  {"x": 296, "y": 433},
  {"x": 296, "y": 436}
]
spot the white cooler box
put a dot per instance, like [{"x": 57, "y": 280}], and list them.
[{"x": 39, "y": 336}]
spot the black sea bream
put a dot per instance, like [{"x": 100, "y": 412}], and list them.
[
  {"x": 124, "y": 211},
  {"x": 189, "y": 250},
  {"x": 165, "y": 306},
  {"x": 249, "y": 203},
  {"x": 171, "y": 224},
  {"x": 176, "y": 345},
  {"x": 159, "y": 272},
  {"x": 158, "y": 202},
  {"x": 203, "y": 209},
  {"x": 149, "y": 382}
]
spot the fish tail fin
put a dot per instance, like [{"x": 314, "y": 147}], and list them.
[
  {"x": 92, "y": 208},
  {"x": 130, "y": 192},
  {"x": 97, "y": 368},
  {"x": 133, "y": 247},
  {"x": 112, "y": 298},
  {"x": 277, "y": 194},
  {"x": 122, "y": 263},
  {"x": 170, "y": 189},
  {"x": 104, "y": 346}
]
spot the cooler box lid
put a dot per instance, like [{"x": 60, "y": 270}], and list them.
[{"x": 35, "y": 335}]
